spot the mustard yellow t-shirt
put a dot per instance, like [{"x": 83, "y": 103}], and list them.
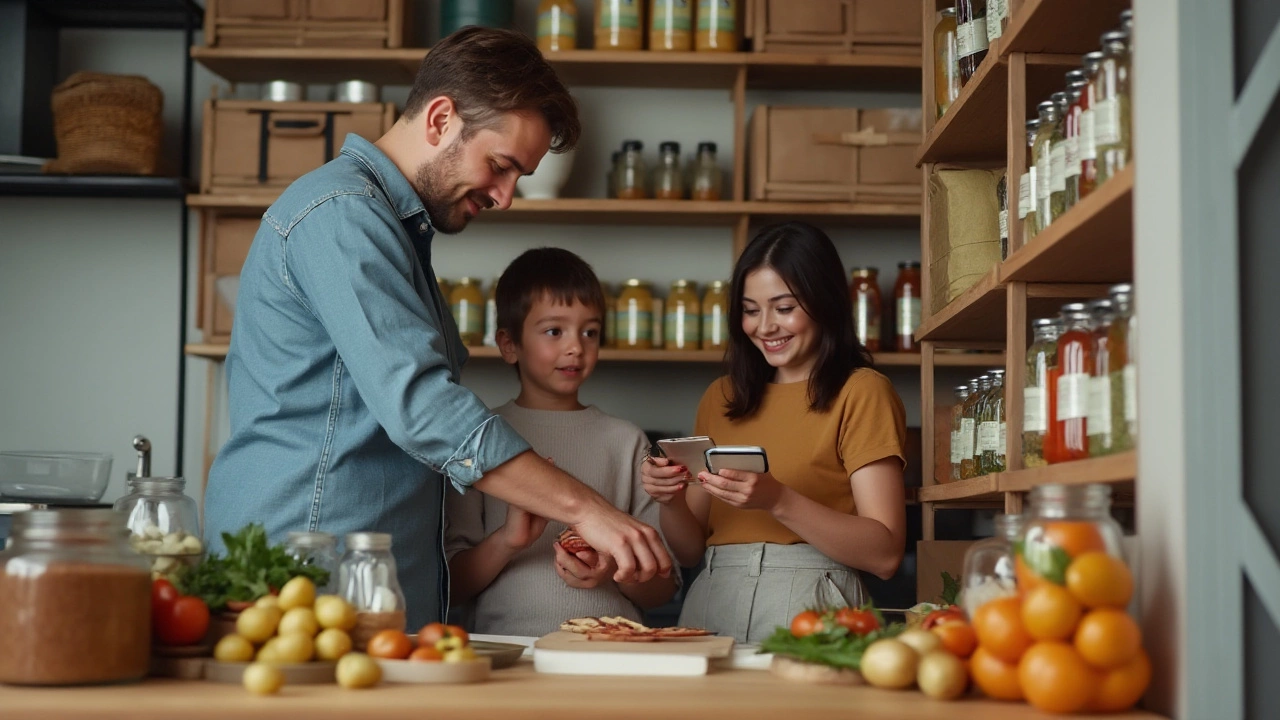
[{"x": 812, "y": 453}]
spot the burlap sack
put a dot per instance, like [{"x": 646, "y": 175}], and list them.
[{"x": 964, "y": 231}]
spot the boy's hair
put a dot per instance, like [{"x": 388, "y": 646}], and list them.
[{"x": 553, "y": 272}]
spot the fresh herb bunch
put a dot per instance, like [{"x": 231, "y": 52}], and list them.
[
  {"x": 833, "y": 645},
  {"x": 251, "y": 569},
  {"x": 950, "y": 589}
]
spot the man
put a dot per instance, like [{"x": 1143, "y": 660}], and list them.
[{"x": 346, "y": 409}]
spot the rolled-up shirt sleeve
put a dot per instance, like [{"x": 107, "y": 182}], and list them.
[{"x": 351, "y": 263}]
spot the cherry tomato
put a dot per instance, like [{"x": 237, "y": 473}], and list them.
[
  {"x": 390, "y": 644},
  {"x": 858, "y": 622},
  {"x": 186, "y": 622},
  {"x": 944, "y": 615},
  {"x": 163, "y": 595},
  {"x": 426, "y": 654},
  {"x": 806, "y": 623},
  {"x": 434, "y": 632}
]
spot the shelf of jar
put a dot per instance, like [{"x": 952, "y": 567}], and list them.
[
  {"x": 608, "y": 68},
  {"x": 1060, "y": 26},
  {"x": 981, "y": 488},
  {"x": 1119, "y": 470}
]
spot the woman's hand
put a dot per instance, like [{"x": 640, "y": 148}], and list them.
[
  {"x": 742, "y": 489},
  {"x": 664, "y": 480},
  {"x": 521, "y": 528},
  {"x": 583, "y": 570}
]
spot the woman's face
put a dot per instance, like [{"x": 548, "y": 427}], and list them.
[{"x": 774, "y": 321}]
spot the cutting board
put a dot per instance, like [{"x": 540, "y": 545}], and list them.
[{"x": 569, "y": 653}]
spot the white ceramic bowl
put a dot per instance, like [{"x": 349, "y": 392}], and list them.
[{"x": 546, "y": 182}]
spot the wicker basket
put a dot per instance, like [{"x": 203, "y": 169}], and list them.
[{"x": 107, "y": 124}]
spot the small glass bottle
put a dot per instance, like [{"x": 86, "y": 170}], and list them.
[
  {"x": 969, "y": 430},
  {"x": 467, "y": 303},
  {"x": 629, "y": 172},
  {"x": 1002, "y": 200},
  {"x": 668, "y": 178},
  {"x": 715, "y": 314},
  {"x": 865, "y": 293},
  {"x": 957, "y": 413},
  {"x": 991, "y": 450},
  {"x": 971, "y": 36},
  {"x": 1049, "y": 202},
  {"x": 707, "y": 177},
  {"x": 906, "y": 301},
  {"x": 1088, "y": 137},
  {"x": 318, "y": 549},
  {"x": 163, "y": 523},
  {"x": 1122, "y": 368},
  {"x": 1071, "y": 132},
  {"x": 1042, "y": 356},
  {"x": 1075, "y": 366},
  {"x": 557, "y": 25},
  {"x": 1028, "y": 186},
  {"x": 1058, "y": 156},
  {"x": 683, "y": 324},
  {"x": 367, "y": 579},
  {"x": 946, "y": 65},
  {"x": 989, "y": 565},
  {"x": 1101, "y": 440},
  {"x": 670, "y": 25},
  {"x": 1063, "y": 523},
  {"x": 1111, "y": 124}
]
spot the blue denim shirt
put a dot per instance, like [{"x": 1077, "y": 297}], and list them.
[{"x": 343, "y": 377}]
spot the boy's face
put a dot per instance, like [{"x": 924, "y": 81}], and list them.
[{"x": 557, "y": 351}]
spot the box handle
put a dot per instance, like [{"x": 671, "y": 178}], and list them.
[
  {"x": 294, "y": 127},
  {"x": 866, "y": 138},
  {"x": 291, "y": 127}
]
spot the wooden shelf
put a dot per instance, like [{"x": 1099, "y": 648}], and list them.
[
  {"x": 1091, "y": 242},
  {"x": 1119, "y": 470},
  {"x": 984, "y": 488},
  {"x": 122, "y": 14},
  {"x": 977, "y": 314},
  {"x": 1060, "y": 26},
  {"x": 580, "y": 67},
  {"x": 85, "y": 186}
]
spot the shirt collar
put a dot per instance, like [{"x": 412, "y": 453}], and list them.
[{"x": 403, "y": 197}]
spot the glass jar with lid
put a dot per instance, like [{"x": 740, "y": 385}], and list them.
[
  {"x": 629, "y": 172},
  {"x": 318, "y": 549},
  {"x": 557, "y": 25},
  {"x": 1037, "y": 391},
  {"x": 1101, "y": 439},
  {"x": 618, "y": 25},
  {"x": 670, "y": 25},
  {"x": 683, "y": 323},
  {"x": 163, "y": 524},
  {"x": 969, "y": 429},
  {"x": 971, "y": 36},
  {"x": 707, "y": 178},
  {"x": 1111, "y": 122},
  {"x": 1122, "y": 368},
  {"x": 989, "y": 566},
  {"x": 715, "y": 315},
  {"x": 1088, "y": 136},
  {"x": 906, "y": 304},
  {"x": 1068, "y": 428},
  {"x": 467, "y": 303},
  {"x": 865, "y": 293},
  {"x": 957, "y": 437},
  {"x": 1071, "y": 131},
  {"x": 946, "y": 64},
  {"x": 1063, "y": 523},
  {"x": 1058, "y": 153},
  {"x": 717, "y": 26},
  {"x": 635, "y": 315},
  {"x": 367, "y": 579},
  {"x": 1050, "y": 193},
  {"x": 988, "y": 422},
  {"x": 668, "y": 178},
  {"x": 75, "y": 600},
  {"x": 1028, "y": 186}
]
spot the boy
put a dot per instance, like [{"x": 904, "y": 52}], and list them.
[{"x": 518, "y": 577}]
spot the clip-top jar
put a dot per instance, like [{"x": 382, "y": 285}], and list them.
[
  {"x": 1064, "y": 523},
  {"x": 367, "y": 579},
  {"x": 163, "y": 523},
  {"x": 75, "y": 600},
  {"x": 318, "y": 549},
  {"x": 989, "y": 567}
]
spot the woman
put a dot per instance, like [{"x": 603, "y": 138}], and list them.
[{"x": 801, "y": 386}]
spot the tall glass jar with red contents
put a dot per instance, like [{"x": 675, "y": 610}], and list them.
[
  {"x": 865, "y": 293},
  {"x": 906, "y": 307},
  {"x": 1068, "y": 427}
]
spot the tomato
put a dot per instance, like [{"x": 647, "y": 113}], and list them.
[
  {"x": 186, "y": 622},
  {"x": 433, "y": 633},
  {"x": 390, "y": 644},
  {"x": 806, "y": 623},
  {"x": 239, "y": 605},
  {"x": 858, "y": 622},
  {"x": 940, "y": 616},
  {"x": 426, "y": 654},
  {"x": 163, "y": 595}
]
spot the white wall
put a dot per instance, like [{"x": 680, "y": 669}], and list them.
[{"x": 89, "y": 333}]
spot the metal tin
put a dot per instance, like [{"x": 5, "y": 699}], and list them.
[
  {"x": 355, "y": 91},
  {"x": 282, "y": 91}
]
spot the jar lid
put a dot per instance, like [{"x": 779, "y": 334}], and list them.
[
  {"x": 1074, "y": 307},
  {"x": 636, "y": 282},
  {"x": 1121, "y": 289},
  {"x": 466, "y": 281},
  {"x": 707, "y": 146},
  {"x": 962, "y": 390},
  {"x": 909, "y": 264},
  {"x": 717, "y": 285},
  {"x": 1033, "y": 124},
  {"x": 1126, "y": 15},
  {"x": 865, "y": 272},
  {"x": 1008, "y": 525},
  {"x": 1045, "y": 322},
  {"x": 148, "y": 485},
  {"x": 1053, "y": 499},
  {"x": 1048, "y": 111},
  {"x": 997, "y": 371},
  {"x": 1091, "y": 61},
  {"x": 630, "y": 145},
  {"x": 70, "y": 523},
  {"x": 1060, "y": 99},
  {"x": 680, "y": 284},
  {"x": 1075, "y": 76},
  {"x": 311, "y": 539},
  {"x": 1114, "y": 40},
  {"x": 368, "y": 541},
  {"x": 669, "y": 146},
  {"x": 1100, "y": 304},
  {"x": 948, "y": 12}
]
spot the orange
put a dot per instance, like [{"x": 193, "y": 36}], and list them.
[
  {"x": 998, "y": 624},
  {"x": 957, "y": 637},
  {"x": 1050, "y": 612},
  {"x": 1108, "y": 638},
  {"x": 1027, "y": 578},
  {"x": 1100, "y": 580},
  {"x": 996, "y": 678},
  {"x": 390, "y": 644},
  {"x": 1122, "y": 687},
  {"x": 1076, "y": 537},
  {"x": 1056, "y": 679}
]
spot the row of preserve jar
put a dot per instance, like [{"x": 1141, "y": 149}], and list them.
[{"x": 673, "y": 25}]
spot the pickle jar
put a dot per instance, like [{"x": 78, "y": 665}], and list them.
[
  {"x": 1028, "y": 186},
  {"x": 318, "y": 549},
  {"x": 467, "y": 303},
  {"x": 1101, "y": 438},
  {"x": 1122, "y": 368},
  {"x": 668, "y": 178},
  {"x": 163, "y": 523},
  {"x": 715, "y": 316},
  {"x": 1065, "y": 522},
  {"x": 634, "y": 324},
  {"x": 367, "y": 579},
  {"x": 957, "y": 412},
  {"x": 1038, "y": 390},
  {"x": 989, "y": 566},
  {"x": 683, "y": 322},
  {"x": 865, "y": 292}
]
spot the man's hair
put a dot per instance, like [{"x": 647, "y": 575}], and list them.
[
  {"x": 489, "y": 73},
  {"x": 544, "y": 272}
]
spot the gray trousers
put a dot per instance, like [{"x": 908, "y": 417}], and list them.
[{"x": 748, "y": 590}]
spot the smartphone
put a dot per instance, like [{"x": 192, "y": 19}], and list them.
[
  {"x": 750, "y": 458},
  {"x": 687, "y": 451}
]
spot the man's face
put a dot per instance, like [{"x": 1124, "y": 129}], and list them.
[{"x": 480, "y": 172}]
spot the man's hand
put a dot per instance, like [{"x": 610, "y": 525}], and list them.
[
  {"x": 521, "y": 529},
  {"x": 636, "y": 548},
  {"x": 583, "y": 570}
]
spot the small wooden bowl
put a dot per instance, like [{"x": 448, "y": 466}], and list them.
[{"x": 814, "y": 673}]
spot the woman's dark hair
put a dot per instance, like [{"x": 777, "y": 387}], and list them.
[
  {"x": 488, "y": 73},
  {"x": 807, "y": 261}
]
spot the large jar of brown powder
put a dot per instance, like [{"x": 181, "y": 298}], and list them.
[{"x": 75, "y": 600}]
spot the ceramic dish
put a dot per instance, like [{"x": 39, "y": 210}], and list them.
[
  {"x": 503, "y": 655},
  {"x": 417, "y": 671},
  {"x": 312, "y": 673}
]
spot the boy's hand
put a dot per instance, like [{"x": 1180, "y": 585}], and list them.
[
  {"x": 584, "y": 570},
  {"x": 521, "y": 529}
]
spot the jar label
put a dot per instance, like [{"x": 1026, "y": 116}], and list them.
[
  {"x": 635, "y": 324},
  {"x": 988, "y": 436},
  {"x": 672, "y": 15},
  {"x": 1058, "y": 167},
  {"x": 619, "y": 15},
  {"x": 1034, "y": 409},
  {"x": 966, "y": 438},
  {"x": 1024, "y": 194},
  {"x": 1088, "y": 137},
  {"x": 1130, "y": 393},
  {"x": 1073, "y": 156},
  {"x": 1073, "y": 396},
  {"x": 491, "y": 323},
  {"x": 682, "y": 329},
  {"x": 1100, "y": 405},
  {"x": 996, "y": 10},
  {"x": 469, "y": 317},
  {"x": 714, "y": 333},
  {"x": 555, "y": 22},
  {"x": 716, "y": 15},
  {"x": 908, "y": 315},
  {"x": 1004, "y": 224},
  {"x": 1004, "y": 440},
  {"x": 971, "y": 37},
  {"x": 866, "y": 323},
  {"x": 1106, "y": 123},
  {"x": 956, "y": 456},
  {"x": 1043, "y": 174}
]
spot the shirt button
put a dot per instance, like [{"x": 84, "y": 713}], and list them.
[
  {"x": 466, "y": 463},
  {"x": 424, "y": 227}
]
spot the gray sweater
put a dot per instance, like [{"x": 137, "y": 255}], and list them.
[{"x": 528, "y": 598}]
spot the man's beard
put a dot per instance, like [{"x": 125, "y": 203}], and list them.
[{"x": 442, "y": 196}]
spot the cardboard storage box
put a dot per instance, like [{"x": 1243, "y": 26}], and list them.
[
  {"x": 254, "y": 145},
  {"x": 834, "y": 154},
  {"x": 835, "y": 26},
  {"x": 964, "y": 231},
  {"x": 306, "y": 23},
  {"x": 225, "y": 238},
  {"x": 933, "y": 557}
]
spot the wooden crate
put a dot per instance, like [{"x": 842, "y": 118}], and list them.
[
  {"x": 834, "y": 26},
  {"x": 225, "y": 237},
  {"x": 252, "y": 145},
  {"x": 307, "y": 23}
]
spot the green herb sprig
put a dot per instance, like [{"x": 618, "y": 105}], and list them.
[{"x": 251, "y": 569}]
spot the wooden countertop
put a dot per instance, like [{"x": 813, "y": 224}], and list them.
[{"x": 512, "y": 694}]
